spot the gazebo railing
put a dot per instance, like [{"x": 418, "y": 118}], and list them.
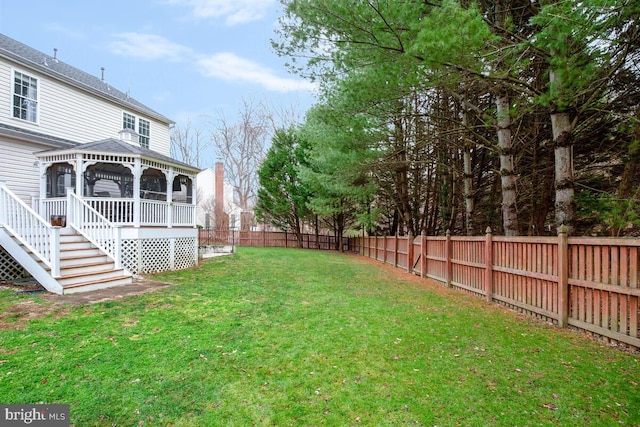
[
  {"x": 121, "y": 211},
  {"x": 118, "y": 211},
  {"x": 153, "y": 212},
  {"x": 183, "y": 214},
  {"x": 50, "y": 207}
]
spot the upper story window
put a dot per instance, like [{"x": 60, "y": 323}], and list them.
[
  {"x": 144, "y": 132},
  {"x": 25, "y": 97},
  {"x": 129, "y": 121}
]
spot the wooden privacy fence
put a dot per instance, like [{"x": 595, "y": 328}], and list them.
[
  {"x": 589, "y": 283},
  {"x": 267, "y": 239}
]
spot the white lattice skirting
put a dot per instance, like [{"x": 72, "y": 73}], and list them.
[
  {"x": 10, "y": 269},
  {"x": 143, "y": 256},
  {"x": 139, "y": 256}
]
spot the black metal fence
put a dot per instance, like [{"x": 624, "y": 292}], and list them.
[{"x": 270, "y": 239}]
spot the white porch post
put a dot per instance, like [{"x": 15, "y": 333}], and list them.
[
  {"x": 42, "y": 170},
  {"x": 71, "y": 213},
  {"x": 79, "y": 176},
  {"x": 194, "y": 202},
  {"x": 55, "y": 251},
  {"x": 170, "y": 175},
  {"x": 137, "y": 177},
  {"x": 117, "y": 245}
]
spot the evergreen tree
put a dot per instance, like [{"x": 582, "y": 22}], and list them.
[{"x": 282, "y": 197}]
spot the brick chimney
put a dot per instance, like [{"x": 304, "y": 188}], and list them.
[{"x": 220, "y": 216}]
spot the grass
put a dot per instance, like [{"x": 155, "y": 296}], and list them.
[{"x": 287, "y": 337}]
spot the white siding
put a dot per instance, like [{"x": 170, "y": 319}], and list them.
[
  {"x": 18, "y": 168},
  {"x": 69, "y": 113},
  {"x": 6, "y": 93},
  {"x": 160, "y": 138}
]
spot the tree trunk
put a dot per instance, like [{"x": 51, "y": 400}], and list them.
[
  {"x": 507, "y": 168},
  {"x": 467, "y": 169},
  {"x": 565, "y": 205},
  {"x": 563, "y": 160},
  {"x": 340, "y": 220},
  {"x": 298, "y": 231}
]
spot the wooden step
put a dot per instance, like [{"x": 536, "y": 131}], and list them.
[
  {"x": 97, "y": 284},
  {"x": 72, "y": 279},
  {"x": 78, "y": 260},
  {"x": 85, "y": 268},
  {"x": 72, "y": 253}
]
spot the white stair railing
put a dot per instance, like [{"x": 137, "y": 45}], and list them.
[
  {"x": 30, "y": 229},
  {"x": 94, "y": 226}
]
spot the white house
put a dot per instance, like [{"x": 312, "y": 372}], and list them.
[
  {"x": 88, "y": 193},
  {"x": 216, "y": 205}
]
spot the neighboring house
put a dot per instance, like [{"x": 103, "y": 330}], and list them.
[
  {"x": 88, "y": 193},
  {"x": 216, "y": 206}
]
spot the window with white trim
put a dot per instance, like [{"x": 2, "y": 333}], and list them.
[
  {"x": 25, "y": 97},
  {"x": 144, "y": 132},
  {"x": 128, "y": 121}
]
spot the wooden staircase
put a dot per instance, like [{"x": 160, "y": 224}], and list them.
[
  {"x": 83, "y": 267},
  {"x": 65, "y": 260}
]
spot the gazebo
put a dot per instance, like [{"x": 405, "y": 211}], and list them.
[{"x": 148, "y": 198}]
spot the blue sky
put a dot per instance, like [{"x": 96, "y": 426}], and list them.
[{"x": 187, "y": 59}]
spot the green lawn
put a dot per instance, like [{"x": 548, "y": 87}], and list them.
[{"x": 288, "y": 337}]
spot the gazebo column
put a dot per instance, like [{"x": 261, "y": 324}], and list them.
[
  {"x": 42, "y": 170},
  {"x": 79, "y": 170},
  {"x": 137, "y": 177},
  {"x": 194, "y": 202},
  {"x": 170, "y": 175}
]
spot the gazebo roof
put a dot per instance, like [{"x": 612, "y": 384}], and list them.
[{"x": 116, "y": 146}]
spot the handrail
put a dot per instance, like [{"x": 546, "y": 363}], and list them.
[
  {"x": 93, "y": 226},
  {"x": 30, "y": 229}
]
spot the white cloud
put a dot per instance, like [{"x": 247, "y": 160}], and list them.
[
  {"x": 230, "y": 67},
  {"x": 59, "y": 28},
  {"x": 233, "y": 11},
  {"x": 147, "y": 46},
  {"x": 225, "y": 66}
]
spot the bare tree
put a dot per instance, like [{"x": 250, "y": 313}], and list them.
[
  {"x": 188, "y": 144},
  {"x": 241, "y": 146}
]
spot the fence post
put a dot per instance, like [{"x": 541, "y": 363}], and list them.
[
  {"x": 488, "y": 262},
  {"x": 384, "y": 249},
  {"x": 423, "y": 254},
  {"x": 447, "y": 256},
  {"x": 563, "y": 276},
  {"x": 375, "y": 242},
  {"x": 410, "y": 253},
  {"x": 396, "y": 240}
]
